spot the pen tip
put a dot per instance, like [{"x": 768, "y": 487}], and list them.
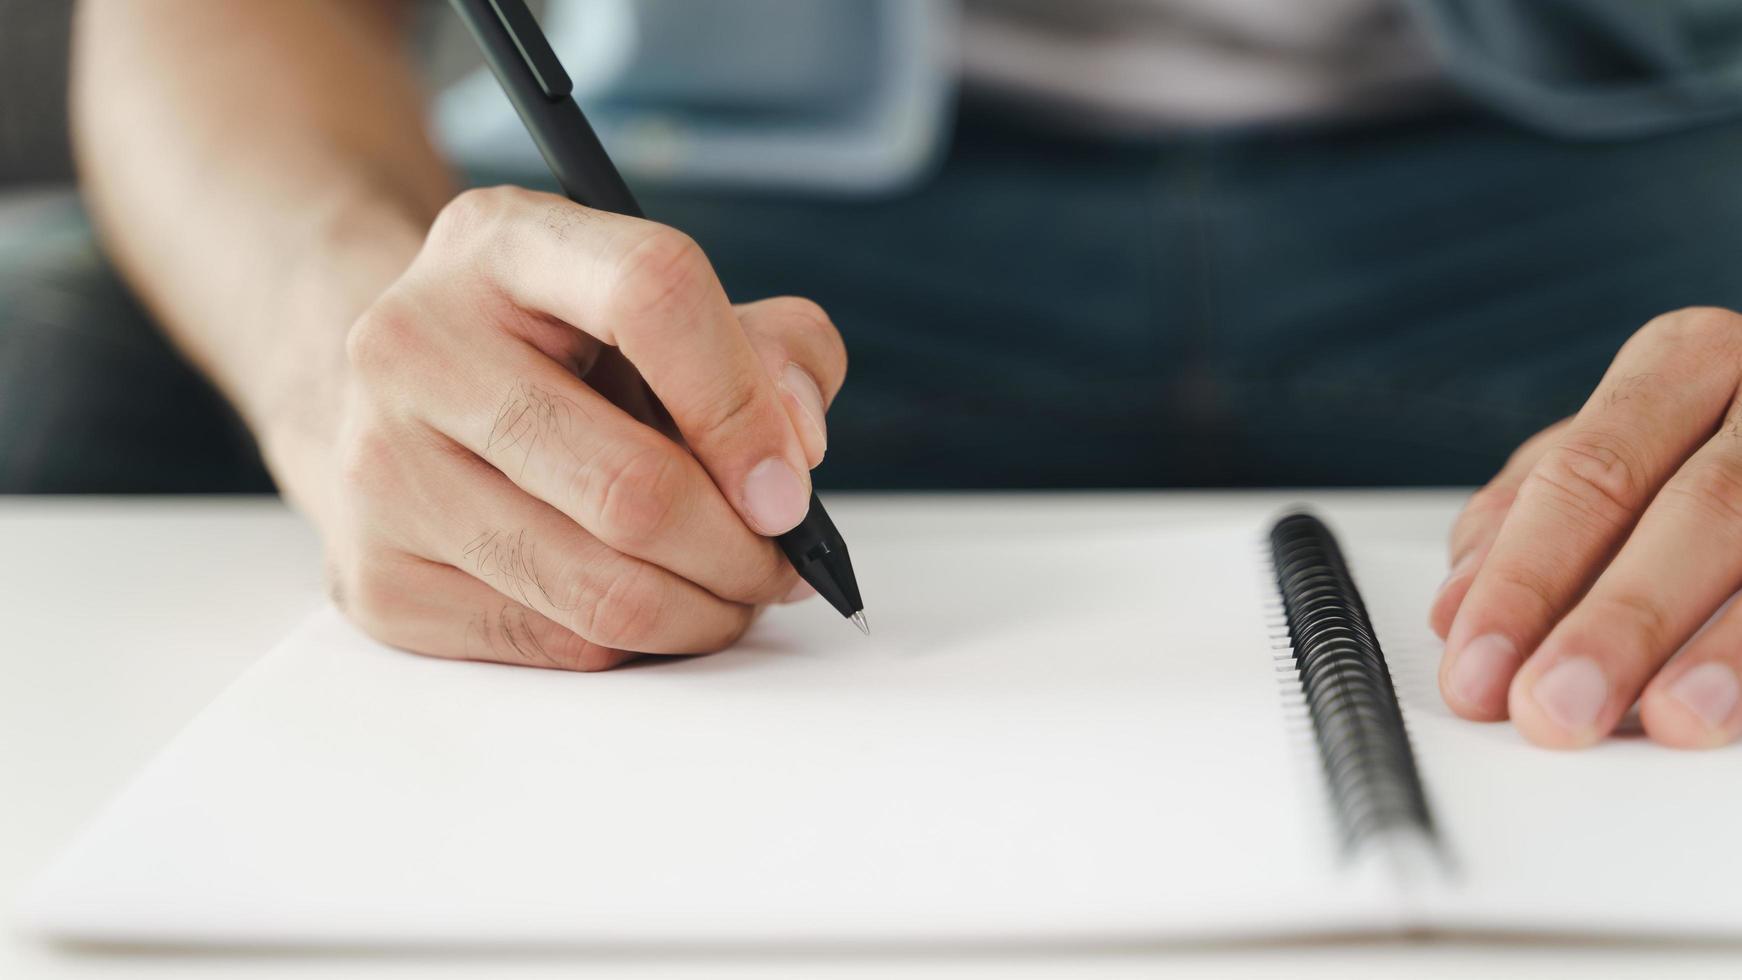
[{"x": 859, "y": 621}]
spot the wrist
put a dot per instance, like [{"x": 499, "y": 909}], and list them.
[{"x": 354, "y": 249}]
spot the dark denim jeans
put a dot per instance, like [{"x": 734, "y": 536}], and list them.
[{"x": 1385, "y": 304}]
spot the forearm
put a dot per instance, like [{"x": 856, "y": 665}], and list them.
[{"x": 260, "y": 172}]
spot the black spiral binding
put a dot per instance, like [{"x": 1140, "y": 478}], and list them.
[{"x": 1368, "y": 764}]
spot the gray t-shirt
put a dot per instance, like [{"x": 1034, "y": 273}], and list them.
[{"x": 1158, "y": 63}]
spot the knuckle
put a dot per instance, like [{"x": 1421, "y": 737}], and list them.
[
  {"x": 1600, "y": 475},
  {"x": 366, "y": 465},
  {"x": 627, "y": 613},
  {"x": 518, "y": 635},
  {"x": 814, "y": 324},
  {"x": 471, "y": 216},
  {"x": 1696, "y": 329},
  {"x": 1640, "y": 614},
  {"x": 381, "y": 339},
  {"x": 736, "y": 626},
  {"x": 835, "y": 361},
  {"x": 804, "y": 315},
  {"x": 635, "y": 501},
  {"x": 720, "y": 411},
  {"x": 763, "y": 579},
  {"x": 1711, "y": 488},
  {"x": 574, "y": 652},
  {"x": 773, "y": 579},
  {"x": 1530, "y": 588},
  {"x": 585, "y": 655},
  {"x": 659, "y": 276},
  {"x": 574, "y": 591}
]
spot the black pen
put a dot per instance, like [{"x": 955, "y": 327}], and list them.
[{"x": 522, "y": 59}]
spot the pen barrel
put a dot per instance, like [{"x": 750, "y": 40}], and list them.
[
  {"x": 564, "y": 138},
  {"x": 819, "y": 554},
  {"x": 590, "y": 183}
]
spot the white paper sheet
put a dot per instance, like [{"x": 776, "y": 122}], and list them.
[
  {"x": 1047, "y": 739},
  {"x": 1626, "y": 838}
]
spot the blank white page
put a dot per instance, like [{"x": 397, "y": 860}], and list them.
[
  {"x": 1051, "y": 738},
  {"x": 1624, "y": 838}
]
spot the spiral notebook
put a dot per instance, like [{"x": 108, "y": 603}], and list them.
[{"x": 1071, "y": 738}]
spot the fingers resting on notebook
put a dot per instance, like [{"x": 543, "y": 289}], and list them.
[
  {"x": 562, "y": 445},
  {"x": 1609, "y": 544}
]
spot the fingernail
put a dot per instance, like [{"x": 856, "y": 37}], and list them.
[
  {"x": 799, "y": 592},
  {"x": 1709, "y": 691},
  {"x": 1572, "y": 693},
  {"x": 1483, "y": 669},
  {"x": 774, "y": 497},
  {"x": 810, "y": 397}
]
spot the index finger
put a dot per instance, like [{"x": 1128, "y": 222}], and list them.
[{"x": 649, "y": 291}]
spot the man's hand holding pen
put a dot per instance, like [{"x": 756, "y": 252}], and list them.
[{"x": 562, "y": 445}]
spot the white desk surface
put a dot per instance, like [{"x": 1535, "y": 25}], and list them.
[{"x": 122, "y": 618}]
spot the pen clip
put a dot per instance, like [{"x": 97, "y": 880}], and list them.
[{"x": 534, "y": 48}]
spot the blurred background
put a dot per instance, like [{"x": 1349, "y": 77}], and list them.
[
  {"x": 33, "y": 77},
  {"x": 1180, "y": 243}
]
